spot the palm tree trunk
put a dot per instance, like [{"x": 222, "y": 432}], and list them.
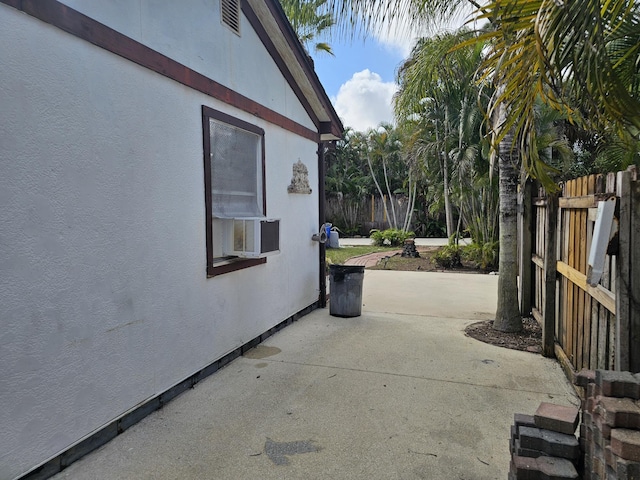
[
  {"x": 508, "y": 317},
  {"x": 375, "y": 180},
  {"x": 445, "y": 174},
  {"x": 386, "y": 181},
  {"x": 411, "y": 202}
]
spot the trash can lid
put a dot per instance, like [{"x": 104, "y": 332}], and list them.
[
  {"x": 338, "y": 272},
  {"x": 344, "y": 269}
]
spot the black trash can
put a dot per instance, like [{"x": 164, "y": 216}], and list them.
[{"x": 345, "y": 288}]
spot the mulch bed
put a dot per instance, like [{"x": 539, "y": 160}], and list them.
[
  {"x": 424, "y": 263},
  {"x": 529, "y": 340}
]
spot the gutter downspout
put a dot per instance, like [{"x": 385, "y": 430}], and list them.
[{"x": 322, "y": 301}]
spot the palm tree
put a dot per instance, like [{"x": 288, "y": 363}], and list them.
[
  {"x": 309, "y": 23},
  {"x": 438, "y": 84},
  {"x": 346, "y": 179},
  {"x": 508, "y": 315},
  {"x": 577, "y": 56},
  {"x": 383, "y": 148},
  {"x": 412, "y": 161}
]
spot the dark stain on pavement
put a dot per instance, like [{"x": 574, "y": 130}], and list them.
[
  {"x": 261, "y": 351},
  {"x": 279, "y": 451}
]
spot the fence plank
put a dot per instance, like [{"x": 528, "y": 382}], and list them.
[
  {"x": 623, "y": 278},
  {"x": 565, "y": 282},
  {"x": 579, "y": 279},
  {"x": 600, "y": 313},
  {"x": 542, "y": 215},
  {"x": 581, "y": 266},
  {"x": 611, "y": 324},
  {"x": 634, "y": 275},
  {"x": 525, "y": 229},
  {"x": 591, "y": 333},
  {"x": 582, "y": 200},
  {"x": 536, "y": 260},
  {"x": 569, "y": 347},
  {"x": 603, "y": 323},
  {"x": 611, "y": 318},
  {"x": 549, "y": 295}
]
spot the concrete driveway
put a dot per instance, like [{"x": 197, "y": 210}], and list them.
[{"x": 397, "y": 393}]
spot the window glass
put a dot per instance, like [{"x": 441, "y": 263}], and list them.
[
  {"x": 234, "y": 191},
  {"x": 235, "y": 171}
]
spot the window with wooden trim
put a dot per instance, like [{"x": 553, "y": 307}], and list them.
[{"x": 238, "y": 235}]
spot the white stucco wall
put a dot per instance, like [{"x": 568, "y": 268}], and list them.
[
  {"x": 191, "y": 33},
  {"x": 104, "y": 300}
]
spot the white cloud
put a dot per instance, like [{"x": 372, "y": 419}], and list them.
[
  {"x": 365, "y": 100},
  {"x": 399, "y": 36}
]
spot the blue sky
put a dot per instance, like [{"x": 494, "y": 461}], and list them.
[
  {"x": 355, "y": 57},
  {"x": 360, "y": 78}
]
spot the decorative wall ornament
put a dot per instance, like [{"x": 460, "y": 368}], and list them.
[{"x": 300, "y": 180}]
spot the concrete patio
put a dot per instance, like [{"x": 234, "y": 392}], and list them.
[{"x": 397, "y": 393}]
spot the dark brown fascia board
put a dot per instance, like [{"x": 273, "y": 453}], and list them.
[
  {"x": 331, "y": 131},
  {"x": 81, "y": 26},
  {"x": 304, "y": 60},
  {"x": 255, "y": 22}
]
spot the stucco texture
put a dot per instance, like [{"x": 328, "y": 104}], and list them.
[{"x": 103, "y": 294}]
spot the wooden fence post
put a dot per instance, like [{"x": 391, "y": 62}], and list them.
[
  {"x": 634, "y": 274},
  {"x": 623, "y": 277},
  {"x": 373, "y": 209},
  {"x": 549, "y": 294},
  {"x": 525, "y": 218}
]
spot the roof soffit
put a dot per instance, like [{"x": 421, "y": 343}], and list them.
[{"x": 296, "y": 60}]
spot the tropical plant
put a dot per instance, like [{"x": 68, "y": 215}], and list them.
[
  {"x": 483, "y": 255},
  {"x": 438, "y": 88},
  {"x": 309, "y": 22},
  {"x": 346, "y": 180},
  {"x": 391, "y": 237},
  {"x": 383, "y": 149},
  {"x": 449, "y": 256},
  {"x": 578, "y": 57},
  {"x": 507, "y": 315}
]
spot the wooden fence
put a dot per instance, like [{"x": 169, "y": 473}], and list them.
[
  {"x": 366, "y": 213},
  {"x": 585, "y": 326}
]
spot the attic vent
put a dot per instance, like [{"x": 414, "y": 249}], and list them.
[{"x": 230, "y": 10}]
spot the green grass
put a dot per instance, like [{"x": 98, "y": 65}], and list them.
[{"x": 338, "y": 256}]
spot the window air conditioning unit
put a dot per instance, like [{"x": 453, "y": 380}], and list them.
[{"x": 253, "y": 237}]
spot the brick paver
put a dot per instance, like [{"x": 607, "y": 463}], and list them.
[
  {"x": 371, "y": 259},
  {"x": 558, "y": 418}
]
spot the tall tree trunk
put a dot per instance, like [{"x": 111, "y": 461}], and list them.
[
  {"x": 508, "y": 317},
  {"x": 375, "y": 180},
  {"x": 386, "y": 181},
  {"x": 445, "y": 174},
  {"x": 411, "y": 202}
]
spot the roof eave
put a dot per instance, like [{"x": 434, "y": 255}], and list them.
[{"x": 274, "y": 20}]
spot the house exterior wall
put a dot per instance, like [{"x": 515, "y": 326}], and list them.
[
  {"x": 170, "y": 27},
  {"x": 104, "y": 299}
]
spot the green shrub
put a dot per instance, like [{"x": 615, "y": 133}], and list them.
[
  {"x": 484, "y": 256},
  {"x": 449, "y": 256},
  {"x": 392, "y": 237}
]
